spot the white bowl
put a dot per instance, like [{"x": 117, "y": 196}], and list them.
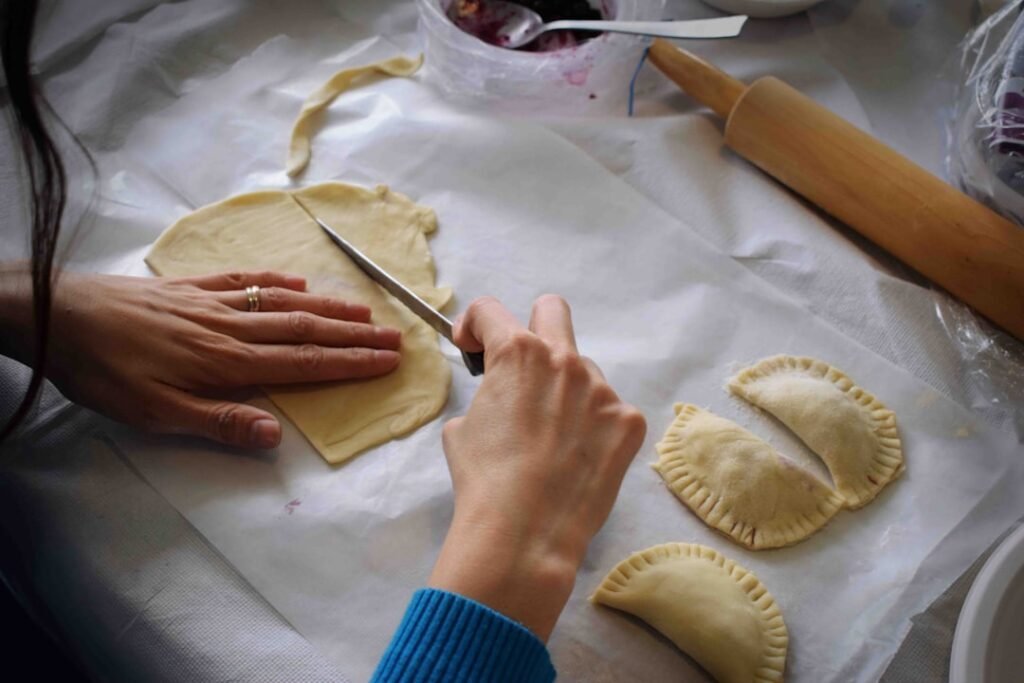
[
  {"x": 763, "y": 9},
  {"x": 989, "y": 633}
]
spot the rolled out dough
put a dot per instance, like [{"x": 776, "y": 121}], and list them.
[{"x": 269, "y": 231}]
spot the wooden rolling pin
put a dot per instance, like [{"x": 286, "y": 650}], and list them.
[{"x": 942, "y": 233}]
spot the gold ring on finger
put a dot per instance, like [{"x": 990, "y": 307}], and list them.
[{"x": 252, "y": 295}]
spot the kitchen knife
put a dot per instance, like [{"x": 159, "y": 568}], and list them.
[{"x": 474, "y": 361}]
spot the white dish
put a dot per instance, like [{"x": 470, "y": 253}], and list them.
[
  {"x": 990, "y": 630},
  {"x": 763, "y": 9}
]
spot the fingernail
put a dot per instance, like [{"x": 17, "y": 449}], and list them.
[
  {"x": 389, "y": 336},
  {"x": 265, "y": 433},
  {"x": 295, "y": 282},
  {"x": 391, "y": 358}
]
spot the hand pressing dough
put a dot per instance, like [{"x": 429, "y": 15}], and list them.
[
  {"x": 850, "y": 430},
  {"x": 710, "y": 607},
  {"x": 740, "y": 485},
  {"x": 299, "y": 147},
  {"x": 269, "y": 231}
]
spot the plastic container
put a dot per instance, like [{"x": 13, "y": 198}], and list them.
[
  {"x": 589, "y": 79},
  {"x": 986, "y": 644}
]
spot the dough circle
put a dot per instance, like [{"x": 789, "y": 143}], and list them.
[{"x": 269, "y": 231}]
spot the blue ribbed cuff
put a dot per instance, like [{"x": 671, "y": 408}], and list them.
[{"x": 446, "y": 637}]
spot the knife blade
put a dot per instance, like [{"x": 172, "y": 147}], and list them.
[{"x": 474, "y": 360}]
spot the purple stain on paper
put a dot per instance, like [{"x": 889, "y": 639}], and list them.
[
  {"x": 291, "y": 505},
  {"x": 577, "y": 76}
]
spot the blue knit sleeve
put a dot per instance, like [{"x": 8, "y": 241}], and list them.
[{"x": 446, "y": 637}]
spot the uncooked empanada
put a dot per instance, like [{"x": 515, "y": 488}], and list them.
[
  {"x": 710, "y": 607},
  {"x": 846, "y": 426},
  {"x": 740, "y": 485}
]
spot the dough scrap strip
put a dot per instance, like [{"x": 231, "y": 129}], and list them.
[{"x": 299, "y": 148}]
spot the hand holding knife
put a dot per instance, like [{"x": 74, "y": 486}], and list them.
[{"x": 474, "y": 361}]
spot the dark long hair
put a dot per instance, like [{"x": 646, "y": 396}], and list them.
[{"x": 47, "y": 181}]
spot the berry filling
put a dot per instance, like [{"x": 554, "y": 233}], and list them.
[{"x": 483, "y": 21}]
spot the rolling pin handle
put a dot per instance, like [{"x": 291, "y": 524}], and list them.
[{"x": 705, "y": 83}]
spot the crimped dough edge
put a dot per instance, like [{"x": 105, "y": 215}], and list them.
[
  {"x": 888, "y": 463},
  {"x": 675, "y": 470},
  {"x": 773, "y": 659}
]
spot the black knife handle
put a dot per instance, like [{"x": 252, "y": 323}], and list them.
[{"x": 474, "y": 362}]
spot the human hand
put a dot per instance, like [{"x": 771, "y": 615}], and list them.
[
  {"x": 536, "y": 463},
  {"x": 162, "y": 353}
]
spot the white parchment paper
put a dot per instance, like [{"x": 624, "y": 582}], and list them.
[{"x": 522, "y": 211}]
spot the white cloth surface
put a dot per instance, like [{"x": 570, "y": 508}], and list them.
[
  {"x": 189, "y": 102},
  {"x": 115, "y": 572}
]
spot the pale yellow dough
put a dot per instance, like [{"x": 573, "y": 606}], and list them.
[
  {"x": 740, "y": 485},
  {"x": 850, "y": 430},
  {"x": 319, "y": 99},
  {"x": 710, "y": 607},
  {"x": 269, "y": 231}
]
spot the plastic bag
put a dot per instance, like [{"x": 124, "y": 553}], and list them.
[
  {"x": 589, "y": 79},
  {"x": 987, "y": 128},
  {"x": 986, "y": 160}
]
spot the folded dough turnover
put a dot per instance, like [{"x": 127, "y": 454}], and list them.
[
  {"x": 740, "y": 485},
  {"x": 710, "y": 607},
  {"x": 269, "y": 231},
  {"x": 850, "y": 430}
]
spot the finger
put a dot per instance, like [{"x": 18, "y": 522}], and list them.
[
  {"x": 234, "y": 424},
  {"x": 551, "y": 320},
  {"x": 485, "y": 323},
  {"x": 634, "y": 430},
  {"x": 301, "y": 326},
  {"x": 282, "y": 300},
  {"x": 240, "y": 280},
  {"x": 287, "y": 364},
  {"x": 593, "y": 369}
]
